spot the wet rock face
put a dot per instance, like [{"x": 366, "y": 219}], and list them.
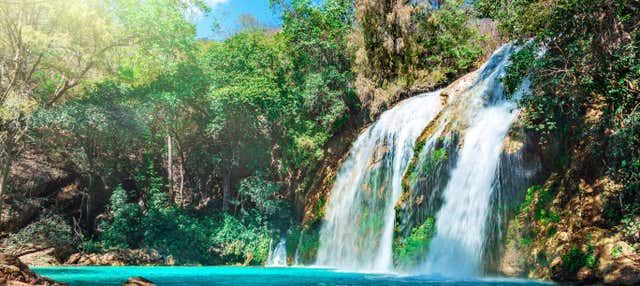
[
  {"x": 14, "y": 272},
  {"x": 423, "y": 187},
  {"x": 520, "y": 167},
  {"x": 428, "y": 171}
]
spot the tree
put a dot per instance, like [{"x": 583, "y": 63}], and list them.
[
  {"x": 403, "y": 44},
  {"x": 584, "y": 87},
  {"x": 99, "y": 132},
  {"x": 47, "y": 48},
  {"x": 244, "y": 87},
  {"x": 319, "y": 85}
]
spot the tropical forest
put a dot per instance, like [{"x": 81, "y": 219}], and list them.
[{"x": 319, "y": 142}]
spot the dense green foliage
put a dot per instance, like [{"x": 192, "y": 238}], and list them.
[
  {"x": 268, "y": 110},
  {"x": 172, "y": 129},
  {"x": 402, "y": 45},
  {"x": 584, "y": 64},
  {"x": 409, "y": 252},
  {"x": 199, "y": 149},
  {"x": 537, "y": 201}
]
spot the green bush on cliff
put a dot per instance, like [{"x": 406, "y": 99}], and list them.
[
  {"x": 422, "y": 167},
  {"x": 574, "y": 260},
  {"x": 583, "y": 60},
  {"x": 542, "y": 197},
  {"x": 410, "y": 250},
  {"x": 631, "y": 228},
  {"x": 431, "y": 162}
]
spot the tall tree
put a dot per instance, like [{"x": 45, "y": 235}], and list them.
[{"x": 47, "y": 48}]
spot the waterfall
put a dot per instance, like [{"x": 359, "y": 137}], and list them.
[
  {"x": 452, "y": 178},
  {"x": 357, "y": 232},
  {"x": 458, "y": 246},
  {"x": 277, "y": 256}
]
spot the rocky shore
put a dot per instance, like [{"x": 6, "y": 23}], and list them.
[{"x": 15, "y": 273}]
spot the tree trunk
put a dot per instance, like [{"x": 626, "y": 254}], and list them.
[
  {"x": 89, "y": 201},
  {"x": 4, "y": 177},
  {"x": 181, "y": 181},
  {"x": 6, "y": 159},
  {"x": 91, "y": 151},
  {"x": 180, "y": 167},
  {"x": 170, "y": 167},
  {"x": 226, "y": 190}
]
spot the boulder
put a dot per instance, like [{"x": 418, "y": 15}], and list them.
[
  {"x": 119, "y": 258},
  {"x": 138, "y": 281},
  {"x": 619, "y": 263},
  {"x": 17, "y": 213},
  {"x": 46, "y": 257},
  {"x": 14, "y": 272},
  {"x": 38, "y": 175},
  {"x": 43, "y": 242}
]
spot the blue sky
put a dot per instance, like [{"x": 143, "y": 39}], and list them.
[{"x": 227, "y": 12}]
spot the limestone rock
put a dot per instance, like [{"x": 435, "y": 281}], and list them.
[
  {"x": 138, "y": 281},
  {"x": 119, "y": 258},
  {"x": 16, "y": 214},
  {"x": 512, "y": 263},
  {"x": 45, "y": 257},
  {"x": 619, "y": 263},
  {"x": 14, "y": 272}
]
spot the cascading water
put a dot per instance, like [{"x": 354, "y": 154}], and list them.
[
  {"x": 453, "y": 179},
  {"x": 458, "y": 246},
  {"x": 357, "y": 233},
  {"x": 277, "y": 256}
]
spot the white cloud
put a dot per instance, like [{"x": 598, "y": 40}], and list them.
[
  {"x": 214, "y": 3},
  {"x": 195, "y": 14}
]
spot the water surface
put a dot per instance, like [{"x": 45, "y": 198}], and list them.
[{"x": 214, "y": 275}]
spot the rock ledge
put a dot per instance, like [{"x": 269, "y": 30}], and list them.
[{"x": 15, "y": 273}]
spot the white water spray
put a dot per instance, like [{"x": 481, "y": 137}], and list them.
[
  {"x": 458, "y": 247},
  {"x": 357, "y": 233},
  {"x": 277, "y": 256}
]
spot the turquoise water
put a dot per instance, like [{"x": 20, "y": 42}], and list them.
[{"x": 96, "y": 275}]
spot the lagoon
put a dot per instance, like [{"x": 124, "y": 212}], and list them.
[{"x": 239, "y": 276}]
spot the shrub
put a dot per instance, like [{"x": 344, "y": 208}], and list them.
[
  {"x": 409, "y": 251},
  {"x": 631, "y": 228},
  {"x": 574, "y": 259},
  {"x": 124, "y": 229},
  {"x": 235, "y": 241},
  {"x": 591, "y": 261},
  {"x": 49, "y": 231}
]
